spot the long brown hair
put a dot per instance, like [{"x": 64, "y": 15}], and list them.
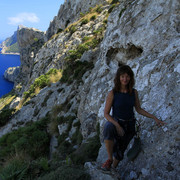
[{"x": 122, "y": 70}]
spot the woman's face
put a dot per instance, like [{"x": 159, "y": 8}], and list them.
[{"x": 124, "y": 79}]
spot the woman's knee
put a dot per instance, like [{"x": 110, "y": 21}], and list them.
[
  {"x": 109, "y": 131},
  {"x": 109, "y": 126}
]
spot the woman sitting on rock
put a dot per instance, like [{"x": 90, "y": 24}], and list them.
[{"x": 120, "y": 127}]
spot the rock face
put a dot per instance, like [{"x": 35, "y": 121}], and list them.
[
  {"x": 11, "y": 73},
  {"x": 30, "y": 40},
  {"x": 142, "y": 34},
  {"x": 68, "y": 13}
]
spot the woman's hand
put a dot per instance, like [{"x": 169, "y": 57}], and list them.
[
  {"x": 159, "y": 122},
  {"x": 120, "y": 130}
]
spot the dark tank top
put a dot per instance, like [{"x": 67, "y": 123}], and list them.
[{"x": 123, "y": 104}]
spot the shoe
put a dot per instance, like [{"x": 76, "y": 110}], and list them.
[{"x": 107, "y": 165}]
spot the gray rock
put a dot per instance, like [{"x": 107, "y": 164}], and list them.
[
  {"x": 53, "y": 146},
  {"x": 142, "y": 34},
  {"x": 133, "y": 175},
  {"x": 11, "y": 73},
  {"x": 62, "y": 128},
  {"x": 97, "y": 174},
  {"x": 68, "y": 13}
]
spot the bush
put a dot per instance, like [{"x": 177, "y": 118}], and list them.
[
  {"x": 105, "y": 21},
  {"x": 93, "y": 43},
  {"x": 99, "y": 33},
  {"x": 82, "y": 48},
  {"x": 82, "y": 14},
  {"x": 99, "y": 9},
  {"x": 111, "y": 8},
  {"x": 41, "y": 82},
  {"x": 59, "y": 30},
  {"x": 15, "y": 169},
  {"x": 92, "y": 18},
  {"x": 84, "y": 21},
  {"x": 72, "y": 29},
  {"x": 114, "y": 1},
  {"x": 87, "y": 151},
  {"x": 86, "y": 38},
  {"x": 90, "y": 9},
  {"x": 5, "y": 116},
  {"x": 77, "y": 137},
  {"x": 32, "y": 139},
  {"x": 7, "y": 99},
  {"x": 35, "y": 39},
  {"x": 75, "y": 71},
  {"x": 76, "y": 54},
  {"x": 67, "y": 172}
]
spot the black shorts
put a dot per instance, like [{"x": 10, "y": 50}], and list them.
[{"x": 120, "y": 142}]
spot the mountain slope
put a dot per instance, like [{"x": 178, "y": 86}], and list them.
[
  {"x": 10, "y": 45},
  {"x": 70, "y": 75}
]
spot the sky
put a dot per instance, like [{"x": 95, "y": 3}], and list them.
[{"x": 32, "y": 13}]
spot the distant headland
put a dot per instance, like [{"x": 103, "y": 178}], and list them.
[{"x": 10, "y": 45}]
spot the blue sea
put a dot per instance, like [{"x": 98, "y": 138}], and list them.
[{"x": 7, "y": 61}]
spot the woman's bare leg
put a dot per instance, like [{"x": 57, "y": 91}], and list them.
[
  {"x": 115, "y": 163},
  {"x": 109, "y": 147}
]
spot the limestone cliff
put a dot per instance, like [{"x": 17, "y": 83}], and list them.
[
  {"x": 70, "y": 12},
  {"x": 30, "y": 40},
  {"x": 142, "y": 34}
]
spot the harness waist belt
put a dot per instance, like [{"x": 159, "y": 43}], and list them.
[{"x": 118, "y": 119}]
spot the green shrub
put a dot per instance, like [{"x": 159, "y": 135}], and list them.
[
  {"x": 87, "y": 151},
  {"x": 82, "y": 14},
  {"x": 35, "y": 39},
  {"x": 84, "y": 21},
  {"x": 75, "y": 71},
  {"x": 92, "y": 18},
  {"x": 43, "y": 163},
  {"x": 105, "y": 21},
  {"x": 90, "y": 9},
  {"x": 86, "y": 38},
  {"x": 67, "y": 172},
  {"x": 5, "y": 116},
  {"x": 76, "y": 54},
  {"x": 99, "y": 33},
  {"x": 72, "y": 29},
  {"x": 37, "y": 167},
  {"x": 23, "y": 168},
  {"x": 32, "y": 139},
  {"x": 15, "y": 169},
  {"x": 111, "y": 8},
  {"x": 114, "y": 1},
  {"x": 77, "y": 137},
  {"x": 40, "y": 82},
  {"x": 65, "y": 148},
  {"x": 99, "y": 9},
  {"x": 59, "y": 30},
  {"x": 93, "y": 43},
  {"x": 82, "y": 48}
]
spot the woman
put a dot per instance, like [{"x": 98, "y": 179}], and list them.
[{"x": 120, "y": 127}]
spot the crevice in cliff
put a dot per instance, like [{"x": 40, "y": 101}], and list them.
[{"x": 123, "y": 54}]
